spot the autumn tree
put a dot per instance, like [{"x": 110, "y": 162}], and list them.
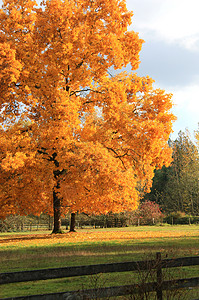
[{"x": 74, "y": 136}]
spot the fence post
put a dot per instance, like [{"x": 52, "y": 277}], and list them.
[{"x": 159, "y": 276}]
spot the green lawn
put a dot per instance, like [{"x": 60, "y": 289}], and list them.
[{"x": 17, "y": 257}]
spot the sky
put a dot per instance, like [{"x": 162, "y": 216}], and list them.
[{"x": 170, "y": 54}]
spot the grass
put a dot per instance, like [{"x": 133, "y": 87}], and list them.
[{"x": 40, "y": 250}]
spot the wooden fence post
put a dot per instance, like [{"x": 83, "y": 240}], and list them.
[{"x": 159, "y": 276}]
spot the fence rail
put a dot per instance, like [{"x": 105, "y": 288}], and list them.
[
  {"x": 25, "y": 227},
  {"x": 159, "y": 286}
]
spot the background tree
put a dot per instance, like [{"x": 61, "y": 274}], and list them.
[
  {"x": 91, "y": 137},
  {"x": 176, "y": 188},
  {"x": 197, "y": 137}
]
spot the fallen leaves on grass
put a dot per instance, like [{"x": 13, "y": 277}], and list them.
[{"x": 95, "y": 236}]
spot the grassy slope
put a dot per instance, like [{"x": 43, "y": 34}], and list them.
[{"x": 25, "y": 252}]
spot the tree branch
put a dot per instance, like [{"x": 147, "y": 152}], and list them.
[
  {"x": 85, "y": 90},
  {"x": 117, "y": 156}
]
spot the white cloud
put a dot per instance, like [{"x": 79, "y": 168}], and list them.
[
  {"x": 186, "y": 107},
  {"x": 187, "y": 97},
  {"x": 175, "y": 21}
]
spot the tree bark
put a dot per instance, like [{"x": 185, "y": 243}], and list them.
[
  {"x": 72, "y": 222},
  {"x": 57, "y": 213}
]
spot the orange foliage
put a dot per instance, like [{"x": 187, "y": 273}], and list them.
[{"x": 70, "y": 127}]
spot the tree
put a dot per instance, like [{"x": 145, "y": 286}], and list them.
[
  {"x": 176, "y": 188},
  {"x": 197, "y": 137},
  {"x": 75, "y": 135}
]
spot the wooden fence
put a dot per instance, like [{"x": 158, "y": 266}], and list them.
[
  {"x": 158, "y": 286},
  {"x": 28, "y": 226}
]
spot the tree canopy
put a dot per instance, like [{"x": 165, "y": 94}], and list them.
[{"x": 76, "y": 135}]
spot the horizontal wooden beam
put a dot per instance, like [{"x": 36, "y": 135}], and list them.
[
  {"x": 53, "y": 273},
  {"x": 113, "y": 291},
  {"x": 180, "y": 262},
  {"x": 45, "y": 274}
]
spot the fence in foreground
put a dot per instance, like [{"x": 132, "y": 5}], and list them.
[{"x": 158, "y": 286}]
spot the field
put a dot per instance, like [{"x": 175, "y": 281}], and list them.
[{"x": 38, "y": 250}]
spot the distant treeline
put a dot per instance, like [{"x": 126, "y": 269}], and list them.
[{"x": 176, "y": 188}]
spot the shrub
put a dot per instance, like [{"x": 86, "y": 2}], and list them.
[
  {"x": 149, "y": 213},
  {"x": 180, "y": 218}
]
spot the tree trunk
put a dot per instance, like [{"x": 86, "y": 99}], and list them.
[
  {"x": 57, "y": 213},
  {"x": 72, "y": 222},
  {"x": 56, "y": 197}
]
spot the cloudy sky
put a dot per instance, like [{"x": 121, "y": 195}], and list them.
[{"x": 170, "y": 54}]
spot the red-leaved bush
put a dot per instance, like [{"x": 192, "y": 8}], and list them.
[{"x": 149, "y": 213}]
